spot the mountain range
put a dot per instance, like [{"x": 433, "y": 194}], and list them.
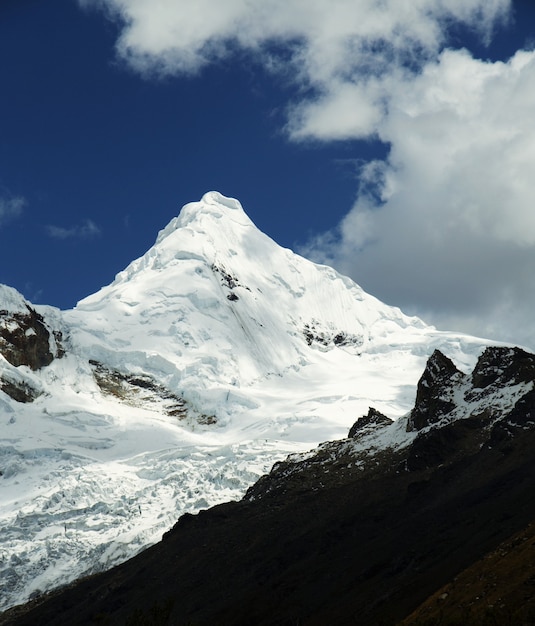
[{"x": 210, "y": 359}]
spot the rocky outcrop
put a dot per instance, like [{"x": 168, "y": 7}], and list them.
[
  {"x": 229, "y": 281},
  {"x": 316, "y": 334},
  {"x": 25, "y": 339},
  {"x": 434, "y": 392},
  {"x": 142, "y": 390},
  {"x": 368, "y": 423},
  {"x": 454, "y": 416},
  {"x": 492, "y": 404},
  {"x": 19, "y": 390},
  {"x": 501, "y": 367}
]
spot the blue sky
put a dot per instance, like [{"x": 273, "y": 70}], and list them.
[{"x": 394, "y": 144}]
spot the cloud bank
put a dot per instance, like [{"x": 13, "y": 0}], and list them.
[
  {"x": 444, "y": 227},
  {"x": 343, "y": 52}
]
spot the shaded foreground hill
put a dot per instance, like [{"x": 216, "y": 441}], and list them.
[
  {"x": 361, "y": 531},
  {"x": 497, "y": 589}
]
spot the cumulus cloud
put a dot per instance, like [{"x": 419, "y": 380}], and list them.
[
  {"x": 85, "y": 230},
  {"x": 338, "y": 48},
  {"x": 11, "y": 207},
  {"x": 343, "y": 55},
  {"x": 444, "y": 226}
]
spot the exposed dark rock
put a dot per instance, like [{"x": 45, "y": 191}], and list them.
[
  {"x": 315, "y": 334},
  {"x": 503, "y": 366},
  {"x": 521, "y": 417},
  {"x": 60, "y": 350},
  {"x": 227, "y": 279},
  {"x": 309, "y": 335},
  {"x": 138, "y": 389},
  {"x": 365, "y": 424},
  {"x": 433, "y": 395},
  {"x": 346, "y": 339},
  {"x": 25, "y": 339},
  {"x": 19, "y": 391},
  {"x": 497, "y": 371},
  {"x": 130, "y": 388},
  {"x": 441, "y": 445}
]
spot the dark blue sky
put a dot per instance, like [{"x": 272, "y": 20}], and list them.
[
  {"x": 92, "y": 146},
  {"x": 83, "y": 138}
]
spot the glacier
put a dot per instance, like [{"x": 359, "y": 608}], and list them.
[{"x": 174, "y": 388}]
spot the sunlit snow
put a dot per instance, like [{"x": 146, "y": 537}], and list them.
[{"x": 271, "y": 354}]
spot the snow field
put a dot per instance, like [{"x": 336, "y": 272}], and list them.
[{"x": 282, "y": 353}]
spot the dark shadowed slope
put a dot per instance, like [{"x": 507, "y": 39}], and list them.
[{"x": 498, "y": 589}]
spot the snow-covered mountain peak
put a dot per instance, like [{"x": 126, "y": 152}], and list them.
[
  {"x": 216, "y": 302},
  {"x": 208, "y": 358},
  {"x": 213, "y": 230},
  {"x": 213, "y": 204}
]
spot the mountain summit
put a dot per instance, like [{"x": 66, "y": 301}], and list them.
[
  {"x": 221, "y": 304},
  {"x": 206, "y": 360}
]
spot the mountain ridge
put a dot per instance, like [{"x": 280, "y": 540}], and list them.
[
  {"x": 213, "y": 356},
  {"x": 350, "y": 533}
]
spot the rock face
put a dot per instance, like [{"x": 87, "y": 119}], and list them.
[
  {"x": 366, "y": 424},
  {"x": 454, "y": 416},
  {"x": 434, "y": 393},
  {"x": 501, "y": 367},
  {"x": 26, "y": 339},
  {"x": 360, "y": 530},
  {"x": 495, "y": 402}
]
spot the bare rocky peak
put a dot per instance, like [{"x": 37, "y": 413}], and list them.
[
  {"x": 434, "y": 391},
  {"x": 454, "y": 416}
]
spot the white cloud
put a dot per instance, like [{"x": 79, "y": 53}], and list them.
[
  {"x": 11, "y": 207},
  {"x": 346, "y": 110},
  {"x": 452, "y": 235},
  {"x": 346, "y": 54},
  {"x": 85, "y": 230},
  {"x": 335, "y": 37}
]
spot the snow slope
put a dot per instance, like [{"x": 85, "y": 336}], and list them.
[{"x": 209, "y": 358}]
